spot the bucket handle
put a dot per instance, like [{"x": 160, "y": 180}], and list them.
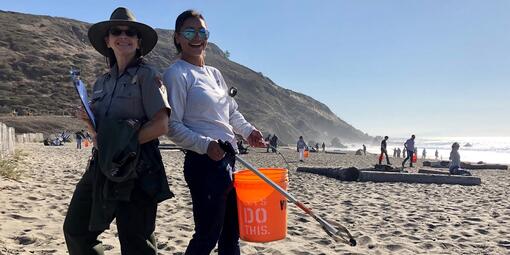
[{"x": 341, "y": 234}]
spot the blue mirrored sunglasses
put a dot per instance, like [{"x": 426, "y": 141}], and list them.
[{"x": 190, "y": 33}]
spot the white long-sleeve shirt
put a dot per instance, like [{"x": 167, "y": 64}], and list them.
[{"x": 202, "y": 110}]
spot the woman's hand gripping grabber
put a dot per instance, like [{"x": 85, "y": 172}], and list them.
[{"x": 338, "y": 232}]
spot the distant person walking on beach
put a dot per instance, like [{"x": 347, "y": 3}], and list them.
[
  {"x": 301, "y": 145},
  {"x": 364, "y": 150},
  {"x": 424, "y": 153},
  {"x": 409, "y": 147},
  {"x": 454, "y": 166},
  {"x": 79, "y": 137},
  {"x": 274, "y": 143},
  {"x": 436, "y": 154},
  {"x": 203, "y": 114},
  {"x": 398, "y": 152},
  {"x": 384, "y": 151},
  {"x": 323, "y": 147},
  {"x": 130, "y": 106},
  {"x": 404, "y": 152},
  {"x": 394, "y": 152}
]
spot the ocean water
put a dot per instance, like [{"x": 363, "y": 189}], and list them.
[{"x": 486, "y": 149}]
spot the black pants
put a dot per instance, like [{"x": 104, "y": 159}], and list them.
[
  {"x": 410, "y": 157},
  {"x": 214, "y": 206},
  {"x": 384, "y": 152},
  {"x": 135, "y": 223}
]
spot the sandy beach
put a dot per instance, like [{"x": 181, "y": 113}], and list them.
[{"x": 385, "y": 218}]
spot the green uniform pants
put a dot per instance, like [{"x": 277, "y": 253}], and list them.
[{"x": 135, "y": 223}]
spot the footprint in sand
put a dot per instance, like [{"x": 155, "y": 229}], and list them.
[
  {"x": 302, "y": 219},
  {"x": 364, "y": 240},
  {"x": 382, "y": 236},
  {"x": 393, "y": 247},
  {"x": 482, "y": 231},
  {"x": 504, "y": 244},
  {"x": 300, "y": 252},
  {"x": 427, "y": 246},
  {"x": 23, "y": 218},
  {"x": 24, "y": 240}
]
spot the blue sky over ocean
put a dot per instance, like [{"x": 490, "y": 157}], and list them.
[{"x": 430, "y": 67}]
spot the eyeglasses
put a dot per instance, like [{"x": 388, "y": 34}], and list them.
[
  {"x": 190, "y": 33},
  {"x": 131, "y": 32}
]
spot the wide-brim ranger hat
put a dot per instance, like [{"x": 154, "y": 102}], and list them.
[{"x": 122, "y": 17}]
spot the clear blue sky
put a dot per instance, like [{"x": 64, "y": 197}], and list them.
[{"x": 430, "y": 67}]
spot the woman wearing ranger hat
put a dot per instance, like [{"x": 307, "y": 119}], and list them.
[{"x": 131, "y": 111}]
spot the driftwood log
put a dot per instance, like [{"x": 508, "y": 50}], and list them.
[
  {"x": 442, "y": 164},
  {"x": 483, "y": 166},
  {"x": 335, "y": 152},
  {"x": 433, "y": 171},
  {"x": 354, "y": 174}
]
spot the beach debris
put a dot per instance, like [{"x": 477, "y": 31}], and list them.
[
  {"x": 466, "y": 165},
  {"x": 335, "y": 152},
  {"x": 367, "y": 175},
  {"x": 386, "y": 168}
]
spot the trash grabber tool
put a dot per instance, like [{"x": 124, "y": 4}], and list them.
[
  {"x": 281, "y": 155},
  {"x": 338, "y": 233}
]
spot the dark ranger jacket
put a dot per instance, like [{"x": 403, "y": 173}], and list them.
[{"x": 119, "y": 165}]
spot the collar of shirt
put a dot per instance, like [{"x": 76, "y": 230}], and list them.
[{"x": 131, "y": 68}]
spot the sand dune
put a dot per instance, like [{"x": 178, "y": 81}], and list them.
[{"x": 386, "y": 218}]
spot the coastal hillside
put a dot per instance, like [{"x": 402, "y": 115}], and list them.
[{"x": 38, "y": 51}]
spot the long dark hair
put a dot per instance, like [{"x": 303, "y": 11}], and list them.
[{"x": 180, "y": 21}]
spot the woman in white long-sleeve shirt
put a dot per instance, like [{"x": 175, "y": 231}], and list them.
[{"x": 203, "y": 114}]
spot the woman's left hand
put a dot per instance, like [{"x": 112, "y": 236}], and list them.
[{"x": 256, "y": 139}]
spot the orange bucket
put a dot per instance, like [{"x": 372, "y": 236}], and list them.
[
  {"x": 305, "y": 154},
  {"x": 414, "y": 158},
  {"x": 86, "y": 143},
  {"x": 262, "y": 210}
]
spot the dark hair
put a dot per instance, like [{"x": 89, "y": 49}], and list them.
[
  {"x": 110, "y": 58},
  {"x": 180, "y": 21}
]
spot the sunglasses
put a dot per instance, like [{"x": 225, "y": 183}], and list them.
[
  {"x": 131, "y": 32},
  {"x": 190, "y": 33}
]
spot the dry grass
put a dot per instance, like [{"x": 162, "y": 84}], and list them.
[{"x": 9, "y": 167}]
